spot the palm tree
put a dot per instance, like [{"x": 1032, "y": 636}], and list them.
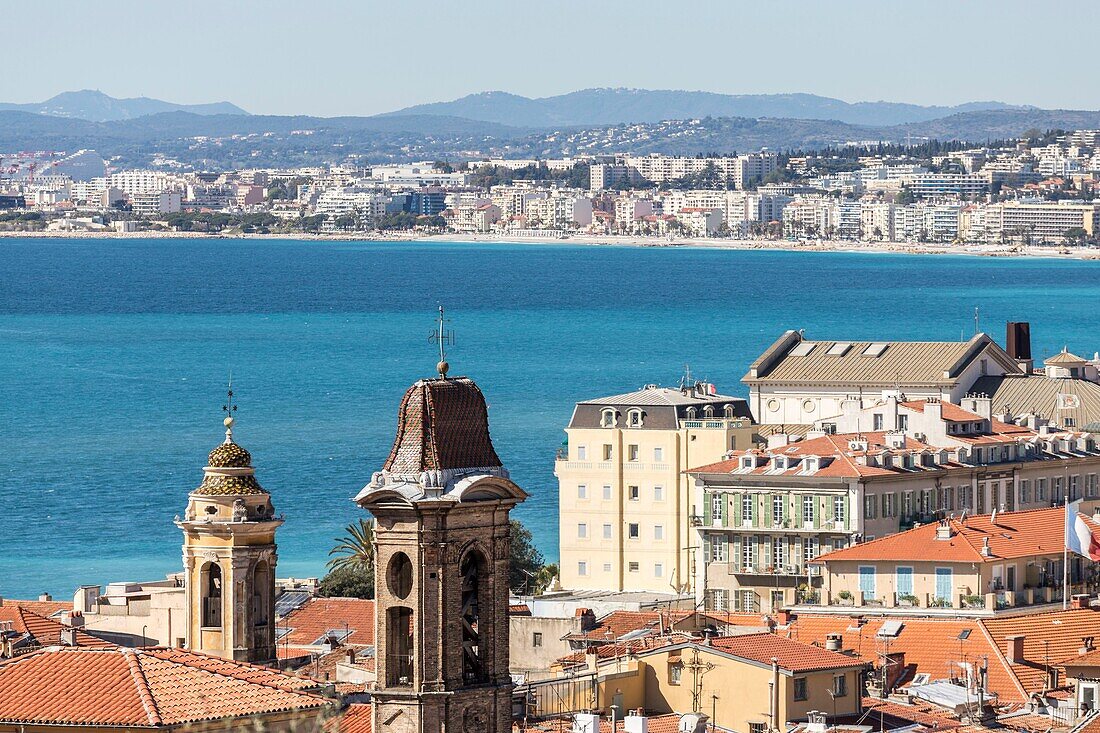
[{"x": 355, "y": 549}]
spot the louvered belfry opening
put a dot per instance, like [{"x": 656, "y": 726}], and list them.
[{"x": 473, "y": 571}]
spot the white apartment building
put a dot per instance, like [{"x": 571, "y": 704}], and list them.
[
  {"x": 877, "y": 221},
  {"x": 475, "y": 218},
  {"x": 933, "y": 185},
  {"x": 629, "y": 210},
  {"x": 927, "y": 222},
  {"x": 367, "y": 205},
  {"x": 151, "y": 203},
  {"x": 700, "y": 221},
  {"x": 559, "y": 212},
  {"x": 656, "y": 168},
  {"x": 143, "y": 181},
  {"x": 1037, "y": 221}
]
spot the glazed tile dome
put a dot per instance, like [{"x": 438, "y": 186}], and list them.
[{"x": 229, "y": 455}]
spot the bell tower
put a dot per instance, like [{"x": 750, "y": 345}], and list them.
[
  {"x": 442, "y": 541},
  {"x": 229, "y": 558}
]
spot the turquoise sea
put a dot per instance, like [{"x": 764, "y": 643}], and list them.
[{"x": 114, "y": 357}]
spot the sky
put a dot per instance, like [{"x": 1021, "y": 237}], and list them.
[{"x": 361, "y": 57}]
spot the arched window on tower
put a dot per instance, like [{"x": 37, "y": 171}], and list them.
[
  {"x": 399, "y": 645},
  {"x": 261, "y": 583},
  {"x": 210, "y": 581},
  {"x": 474, "y": 571}
]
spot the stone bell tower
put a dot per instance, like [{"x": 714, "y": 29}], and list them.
[
  {"x": 441, "y": 504},
  {"x": 229, "y": 557}
]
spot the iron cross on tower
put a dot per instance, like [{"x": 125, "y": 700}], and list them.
[
  {"x": 444, "y": 337},
  {"x": 229, "y": 408}
]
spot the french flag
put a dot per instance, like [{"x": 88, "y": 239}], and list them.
[{"x": 1079, "y": 535}]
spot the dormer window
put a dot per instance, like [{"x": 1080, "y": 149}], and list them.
[
  {"x": 634, "y": 418},
  {"x": 728, "y": 412},
  {"x": 607, "y": 418},
  {"x": 748, "y": 462},
  {"x": 690, "y": 412},
  {"x": 708, "y": 411},
  {"x": 811, "y": 464}
]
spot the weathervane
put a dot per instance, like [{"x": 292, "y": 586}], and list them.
[
  {"x": 444, "y": 337},
  {"x": 229, "y": 408}
]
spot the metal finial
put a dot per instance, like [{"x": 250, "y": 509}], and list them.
[
  {"x": 229, "y": 408},
  {"x": 443, "y": 337}
]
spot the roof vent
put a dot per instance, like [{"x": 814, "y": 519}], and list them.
[
  {"x": 943, "y": 532},
  {"x": 833, "y": 642},
  {"x": 986, "y": 551}
]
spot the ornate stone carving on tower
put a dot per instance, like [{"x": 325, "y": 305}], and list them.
[
  {"x": 442, "y": 541},
  {"x": 229, "y": 558}
]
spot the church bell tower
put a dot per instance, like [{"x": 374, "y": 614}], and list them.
[
  {"x": 441, "y": 505},
  {"x": 229, "y": 558}
]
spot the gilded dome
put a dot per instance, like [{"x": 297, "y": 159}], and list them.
[{"x": 230, "y": 455}]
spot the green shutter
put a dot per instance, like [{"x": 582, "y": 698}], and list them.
[
  {"x": 707, "y": 504},
  {"x": 735, "y": 509},
  {"x": 819, "y": 504}
]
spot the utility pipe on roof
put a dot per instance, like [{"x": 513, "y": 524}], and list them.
[{"x": 774, "y": 701}]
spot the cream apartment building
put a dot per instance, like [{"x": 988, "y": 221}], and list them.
[{"x": 625, "y": 502}]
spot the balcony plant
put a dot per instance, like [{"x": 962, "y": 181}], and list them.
[{"x": 907, "y": 599}]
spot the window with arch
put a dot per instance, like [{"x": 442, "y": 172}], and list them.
[
  {"x": 635, "y": 418},
  {"x": 399, "y": 575},
  {"x": 728, "y": 411},
  {"x": 210, "y": 581},
  {"x": 399, "y": 646},
  {"x": 261, "y": 584},
  {"x": 607, "y": 418},
  {"x": 690, "y": 413},
  {"x": 708, "y": 411},
  {"x": 474, "y": 573}
]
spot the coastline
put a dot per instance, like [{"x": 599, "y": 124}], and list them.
[{"x": 603, "y": 240}]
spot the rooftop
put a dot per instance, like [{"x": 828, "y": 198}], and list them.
[
  {"x": 1009, "y": 535},
  {"x": 140, "y": 688},
  {"x": 792, "y": 359},
  {"x": 350, "y": 620}
]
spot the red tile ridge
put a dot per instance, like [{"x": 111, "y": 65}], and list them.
[
  {"x": 1003, "y": 660},
  {"x": 142, "y": 685}
]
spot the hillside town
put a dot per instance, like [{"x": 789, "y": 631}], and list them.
[
  {"x": 883, "y": 535},
  {"x": 1038, "y": 190}
]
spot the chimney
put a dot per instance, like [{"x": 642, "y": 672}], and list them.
[
  {"x": 943, "y": 531},
  {"x": 1018, "y": 344},
  {"x": 1082, "y": 600},
  {"x": 75, "y": 619},
  {"x": 1014, "y": 648},
  {"x": 783, "y": 617},
  {"x": 635, "y": 724},
  {"x": 351, "y": 655},
  {"x": 68, "y": 637},
  {"x": 586, "y": 723},
  {"x": 933, "y": 409},
  {"x": 986, "y": 551},
  {"x": 833, "y": 642},
  {"x": 1086, "y": 645},
  {"x": 45, "y": 597}
]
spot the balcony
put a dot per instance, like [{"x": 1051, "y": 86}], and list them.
[{"x": 716, "y": 423}]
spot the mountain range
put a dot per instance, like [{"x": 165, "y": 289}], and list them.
[
  {"x": 589, "y": 107},
  {"x": 94, "y": 105}
]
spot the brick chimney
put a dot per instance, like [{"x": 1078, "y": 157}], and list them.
[
  {"x": 1081, "y": 600},
  {"x": 1014, "y": 648}
]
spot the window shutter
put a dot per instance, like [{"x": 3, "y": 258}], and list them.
[
  {"x": 708, "y": 503},
  {"x": 736, "y": 509}
]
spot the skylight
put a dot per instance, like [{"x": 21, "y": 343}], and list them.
[
  {"x": 875, "y": 350},
  {"x": 890, "y": 629},
  {"x": 803, "y": 348},
  {"x": 840, "y": 348}
]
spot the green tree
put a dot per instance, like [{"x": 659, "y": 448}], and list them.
[
  {"x": 355, "y": 548},
  {"x": 528, "y": 573},
  {"x": 352, "y": 581},
  {"x": 905, "y": 197}
]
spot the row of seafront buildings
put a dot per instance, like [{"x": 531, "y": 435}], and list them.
[
  {"x": 740, "y": 503},
  {"x": 1026, "y": 193}
]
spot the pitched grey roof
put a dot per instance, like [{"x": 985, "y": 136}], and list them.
[
  {"x": 1038, "y": 394},
  {"x": 795, "y": 360},
  {"x": 653, "y": 396},
  {"x": 663, "y": 407}
]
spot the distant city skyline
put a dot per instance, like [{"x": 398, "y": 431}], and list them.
[{"x": 348, "y": 58}]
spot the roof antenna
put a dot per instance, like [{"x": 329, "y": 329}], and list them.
[
  {"x": 444, "y": 337},
  {"x": 976, "y": 329},
  {"x": 685, "y": 380},
  {"x": 229, "y": 408}
]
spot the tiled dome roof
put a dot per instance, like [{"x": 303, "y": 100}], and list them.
[
  {"x": 217, "y": 485},
  {"x": 230, "y": 455}
]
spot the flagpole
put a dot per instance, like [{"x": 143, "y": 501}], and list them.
[{"x": 1065, "y": 557}]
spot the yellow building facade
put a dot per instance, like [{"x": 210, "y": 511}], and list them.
[
  {"x": 229, "y": 559},
  {"x": 625, "y": 504}
]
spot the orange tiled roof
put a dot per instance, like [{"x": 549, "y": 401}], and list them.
[
  {"x": 1015, "y": 534},
  {"x": 315, "y": 617},
  {"x": 912, "y": 713},
  {"x": 792, "y": 655},
  {"x": 42, "y": 608},
  {"x": 44, "y": 631},
  {"x": 129, "y": 687},
  {"x": 1089, "y": 659},
  {"x": 931, "y": 646},
  {"x": 356, "y": 719},
  {"x": 1049, "y": 638},
  {"x": 617, "y": 624}
]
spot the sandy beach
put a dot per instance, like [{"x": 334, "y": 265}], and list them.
[{"x": 914, "y": 248}]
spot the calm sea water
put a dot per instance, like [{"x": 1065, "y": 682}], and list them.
[{"x": 114, "y": 357}]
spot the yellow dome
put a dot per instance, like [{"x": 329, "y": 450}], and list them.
[{"x": 230, "y": 455}]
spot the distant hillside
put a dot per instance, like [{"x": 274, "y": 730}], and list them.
[
  {"x": 96, "y": 106},
  {"x": 231, "y": 141},
  {"x": 619, "y": 106}
]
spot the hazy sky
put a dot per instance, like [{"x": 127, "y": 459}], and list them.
[{"x": 333, "y": 57}]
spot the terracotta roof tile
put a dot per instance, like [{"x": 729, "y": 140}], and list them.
[
  {"x": 44, "y": 631},
  {"x": 128, "y": 687},
  {"x": 1015, "y": 535},
  {"x": 931, "y": 646},
  {"x": 317, "y": 616},
  {"x": 792, "y": 655},
  {"x": 1049, "y": 638},
  {"x": 358, "y": 718},
  {"x": 42, "y": 608}
]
